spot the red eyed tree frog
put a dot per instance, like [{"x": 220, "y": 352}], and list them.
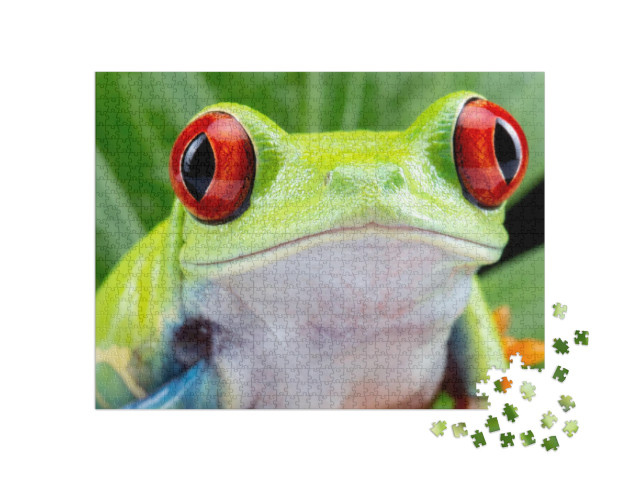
[{"x": 315, "y": 270}]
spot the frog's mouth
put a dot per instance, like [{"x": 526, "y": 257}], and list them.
[{"x": 477, "y": 252}]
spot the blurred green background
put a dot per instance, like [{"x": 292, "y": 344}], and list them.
[{"x": 139, "y": 115}]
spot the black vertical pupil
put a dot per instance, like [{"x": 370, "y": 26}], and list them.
[
  {"x": 198, "y": 166},
  {"x": 507, "y": 148}
]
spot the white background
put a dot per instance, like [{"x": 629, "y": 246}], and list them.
[{"x": 50, "y": 54}]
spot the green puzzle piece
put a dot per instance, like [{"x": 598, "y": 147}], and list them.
[
  {"x": 551, "y": 443},
  {"x": 567, "y": 403},
  {"x": 560, "y": 374},
  {"x": 561, "y": 347},
  {"x": 527, "y": 438},
  {"x": 582, "y": 337},
  {"x": 559, "y": 310},
  {"x": 548, "y": 420},
  {"x": 510, "y": 412},
  {"x": 570, "y": 428},
  {"x": 439, "y": 428},
  {"x": 459, "y": 430},
  {"x": 492, "y": 424},
  {"x": 528, "y": 390},
  {"x": 478, "y": 439},
  {"x": 507, "y": 439},
  {"x": 502, "y": 385}
]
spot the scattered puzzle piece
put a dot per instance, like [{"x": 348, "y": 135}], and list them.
[
  {"x": 561, "y": 347},
  {"x": 459, "y": 430},
  {"x": 570, "y": 428},
  {"x": 560, "y": 374},
  {"x": 507, "y": 439},
  {"x": 439, "y": 428},
  {"x": 502, "y": 385},
  {"x": 478, "y": 439},
  {"x": 510, "y": 412},
  {"x": 528, "y": 390},
  {"x": 548, "y": 420},
  {"x": 567, "y": 403},
  {"x": 492, "y": 424},
  {"x": 527, "y": 438},
  {"x": 551, "y": 443},
  {"x": 582, "y": 337},
  {"x": 559, "y": 310}
]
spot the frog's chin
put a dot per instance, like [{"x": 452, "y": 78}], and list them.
[{"x": 476, "y": 253}]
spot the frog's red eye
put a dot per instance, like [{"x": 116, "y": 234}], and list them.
[
  {"x": 490, "y": 151},
  {"x": 212, "y": 167}
]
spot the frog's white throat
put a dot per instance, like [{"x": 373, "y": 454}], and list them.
[{"x": 359, "y": 323}]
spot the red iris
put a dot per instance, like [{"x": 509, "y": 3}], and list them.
[
  {"x": 491, "y": 152},
  {"x": 212, "y": 167}
]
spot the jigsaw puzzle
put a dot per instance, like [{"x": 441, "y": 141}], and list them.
[
  {"x": 527, "y": 438},
  {"x": 560, "y": 374},
  {"x": 582, "y": 337},
  {"x": 519, "y": 374},
  {"x": 502, "y": 385},
  {"x": 459, "y": 430},
  {"x": 527, "y": 390},
  {"x": 511, "y": 412},
  {"x": 478, "y": 439},
  {"x": 559, "y": 310},
  {"x": 492, "y": 424},
  {"x": 301, "y": 254},
  {"x": 567, "y": 403},
  {"x": 506, "y": 439},
  {"x": 551, "y": 443},
  {"x": 548, "y": 420},
  {"x": 570, "y": 428},
  {"x": 561, "y": 346},
  {"x": 438, "y": 428}
]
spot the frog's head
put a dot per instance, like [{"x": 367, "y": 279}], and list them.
[{"x": 256, "y": 193}]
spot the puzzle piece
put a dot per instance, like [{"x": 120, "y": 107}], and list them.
[
  {"x": 507, "y": 439},
  {"x": 478, "y": 439},
  {"x": 567, "y": 403},
  {"x": 548, "y": 420},
  {"x": 459, "y": 430},
  {"x": 510, "y": 412},
  {"x": 561, "y": 347},
  {"x": 570, "y": 428},
  {"x": 439, "y": 428},
  {"x": 528, "y": 390},
  {"x": 492, "y": 424},
  {"x": 559, "y": 310},
  {"x": 502, "y": 385},
  {"x": 527, "y": 438},
  {"x": 582, "y": 337},
  {"x": 560, "y": 374},
  {"x": 551, "y": 443}
]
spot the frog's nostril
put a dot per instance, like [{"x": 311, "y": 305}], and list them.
[
  {"x": 346, "y": 179},
  {"x": 390, "y": 177}
]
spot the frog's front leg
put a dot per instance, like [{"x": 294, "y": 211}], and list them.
[
  {"x": 137, "y": 308},
  {"x": 478, "y": 342},
  {"x": 474, "y": 346}
]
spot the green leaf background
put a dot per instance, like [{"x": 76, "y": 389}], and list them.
[{"x": 139, "y": 115}]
